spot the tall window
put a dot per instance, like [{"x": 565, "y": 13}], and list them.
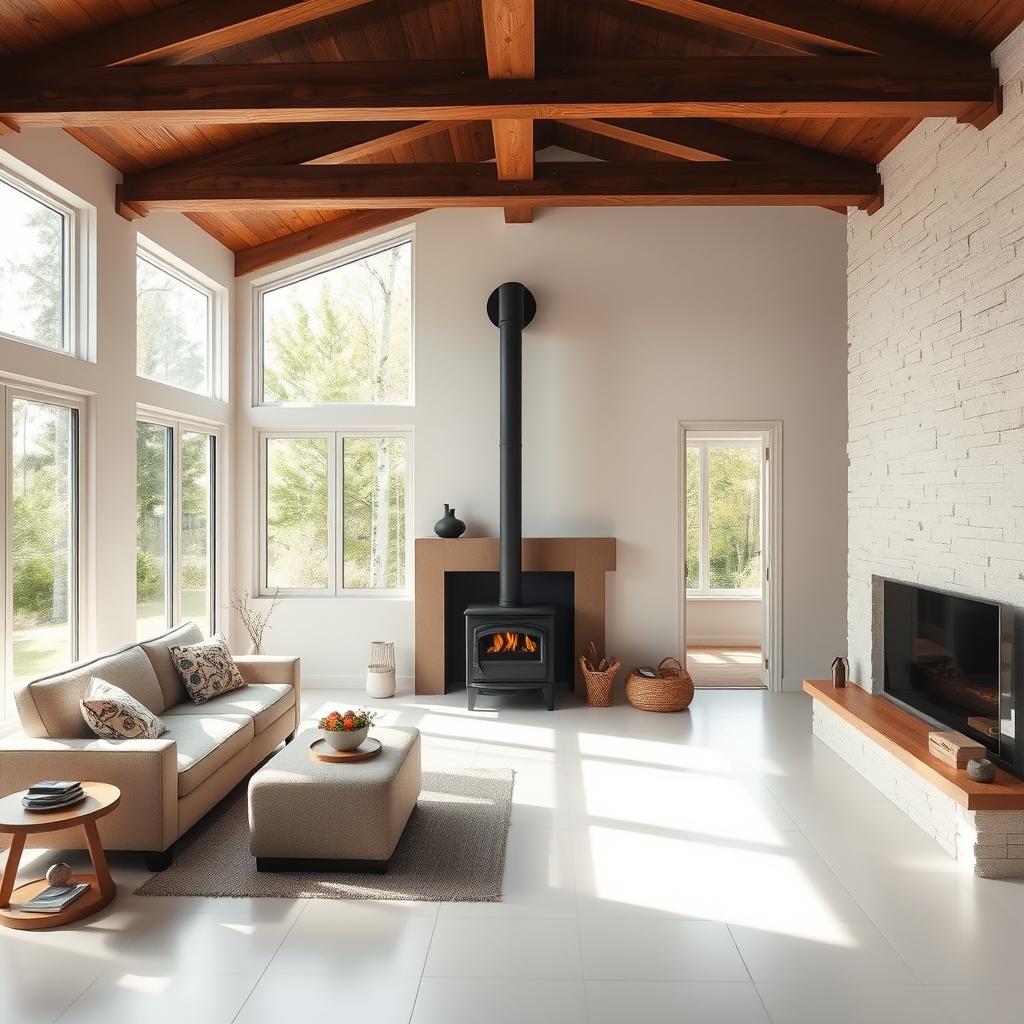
[
  {"x": 334, "y": 512},
  {"x": 35, "y": 262},
  {"x": 41, "y": 516},
  {"x": 343, "y": 334},
  {"x": 175, "y": 326},
  {"x": 723, "y": 518},
  {"x": 175, "y": 523}
]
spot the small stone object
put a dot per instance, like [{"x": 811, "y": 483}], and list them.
[
  {"x": 59, "y": 873},
  {"x": 981, "y": 771}
]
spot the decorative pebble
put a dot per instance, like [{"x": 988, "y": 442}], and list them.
[
  {"x": 981, "y": 771},
  {"x": 59, "y": 873}
]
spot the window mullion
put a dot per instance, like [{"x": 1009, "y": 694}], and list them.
[
  {"x": 7, "y": 598},
  {"x": 335, "y": 494},
  {"x": 705, "y": 528}
]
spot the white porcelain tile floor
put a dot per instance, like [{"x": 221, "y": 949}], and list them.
[{"x": 719, "y": 866}]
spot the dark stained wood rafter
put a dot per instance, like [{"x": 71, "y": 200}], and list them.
[
  {"x": 511, "y": 53},
  {"x": 431, "y": 186},
  {"x": 182, "y": 32},
  {"x": 815, "y": 26},
  {"x": 698, "y": 138},
  {"x": 768, "y": 87}
]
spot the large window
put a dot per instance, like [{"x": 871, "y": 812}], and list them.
[
  {"x": 334, "y": 512},
  {"x": 41, "y": 517},
  {"x": 175, "y": 326},
  {"x": 723, "y": 518},
  {"x": 343, "y": 334},
  {"x": 175, "y": 557},
  {"x": 35, "y": 266}
]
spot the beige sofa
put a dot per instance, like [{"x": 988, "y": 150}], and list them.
[{"x": 166, "y": 784}]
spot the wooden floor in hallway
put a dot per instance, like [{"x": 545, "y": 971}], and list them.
[{"x": 731, "y": 667}]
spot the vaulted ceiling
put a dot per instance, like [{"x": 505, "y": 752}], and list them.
[{"x": 282, "y": 125}]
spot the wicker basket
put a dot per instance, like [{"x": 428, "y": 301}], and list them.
[
  {"x": 599, "y": 684},
  {"x": 671, "y": 691}
]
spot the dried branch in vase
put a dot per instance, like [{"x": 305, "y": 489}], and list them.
[{"x": 253, "y": 619}]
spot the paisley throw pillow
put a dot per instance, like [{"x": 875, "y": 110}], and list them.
[
  {"x": 207, "y": 669},
  {"x": 116, "y": 715}
]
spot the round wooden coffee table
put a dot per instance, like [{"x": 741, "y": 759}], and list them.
[{"x": 101, "y": 798}]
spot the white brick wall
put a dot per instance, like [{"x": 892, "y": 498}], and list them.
[{"x": 936, "y": 366}]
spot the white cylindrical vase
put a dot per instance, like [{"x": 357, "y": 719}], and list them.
[{"x": 380, "y": 682}]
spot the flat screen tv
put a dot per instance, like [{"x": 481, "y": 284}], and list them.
[{"x": 944, "y": 660}]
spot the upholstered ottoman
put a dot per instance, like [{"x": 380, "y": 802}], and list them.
[{"x": 307, "y": 815}]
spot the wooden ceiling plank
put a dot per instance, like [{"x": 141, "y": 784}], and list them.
[
  {"x": 422, "y": 186},
  {"x": 456, "y": 90},
  {"x": 509, "y": 39},
  {"x": 190, "y": 29},
  {"x": 315, "y": 237},
  {"x": 815, "y": 27}
]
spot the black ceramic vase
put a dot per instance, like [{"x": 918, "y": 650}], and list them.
[
  {"x": 840, "y": 671},
  {"x": 448, "y": 526}
]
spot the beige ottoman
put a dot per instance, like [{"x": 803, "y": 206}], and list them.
[{"x": 306, "y": 815}]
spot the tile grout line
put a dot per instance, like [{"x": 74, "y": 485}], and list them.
[{"x": 270, "y": 960}]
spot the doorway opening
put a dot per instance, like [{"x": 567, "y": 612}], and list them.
[{"x": 728, "y": 608}]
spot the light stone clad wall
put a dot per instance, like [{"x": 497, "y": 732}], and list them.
[{"x": 936, "y": 367}]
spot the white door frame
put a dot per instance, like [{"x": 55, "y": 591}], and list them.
[{"x": 772, "y": 560}]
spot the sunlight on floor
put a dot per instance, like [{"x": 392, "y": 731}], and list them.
[{"x": 730, "y": 667}]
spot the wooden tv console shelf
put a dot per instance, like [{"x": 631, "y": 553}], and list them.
[{"x": 906, "y": 738}]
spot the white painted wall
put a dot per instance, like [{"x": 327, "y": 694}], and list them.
[
  {"x": 936, "y": 367},
  {"x": 113, "y": 390},
  {"x": 646, "y": 317},
  {"x": 713, "y": 623}
]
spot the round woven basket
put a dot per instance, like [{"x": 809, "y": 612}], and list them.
[
  {"x": 599, "y": 684},
  {"x": 671, "y": 691}
]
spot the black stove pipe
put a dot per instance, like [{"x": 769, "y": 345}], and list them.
[{"x": 511, "y": 307}]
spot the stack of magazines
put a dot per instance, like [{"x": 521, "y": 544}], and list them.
[
  {"x": 52, "y": 795},
  {"x": 54, "y": 898}
]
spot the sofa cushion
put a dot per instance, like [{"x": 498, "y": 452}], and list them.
[
  {"x": 205, "y": 743},
  {"x": 207, "y": 669},
  {"x": 51, "y": 706},
  {"x": 265, "y": 703},
  {"x": 159, "y": 651},
  {"x": 113, "y": 714}
]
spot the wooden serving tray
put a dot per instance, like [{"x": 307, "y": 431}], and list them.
[{"x": 321, "y": 750}]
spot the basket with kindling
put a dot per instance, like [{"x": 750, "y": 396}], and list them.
[{"x": 599, "y": 675}]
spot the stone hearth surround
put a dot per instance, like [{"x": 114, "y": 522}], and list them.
[{"x": 988, "y": 843}]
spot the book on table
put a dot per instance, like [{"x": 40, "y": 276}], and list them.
[
  {"x": 54, "y": 787},
  {"x": 54, "y": 801},
  {"x": 53, "y": 899}
]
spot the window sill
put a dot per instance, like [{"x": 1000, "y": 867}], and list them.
[{"x": 750, "y": 598}]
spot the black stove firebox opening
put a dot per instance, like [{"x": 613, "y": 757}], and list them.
[{"x": 510, "y": 647}]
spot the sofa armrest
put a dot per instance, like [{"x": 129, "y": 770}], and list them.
[
  {"x": 273, "y": 668},
  {"x": 146, "y": 772}
]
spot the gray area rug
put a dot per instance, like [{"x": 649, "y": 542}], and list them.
[{"x": 453, "y": 849}]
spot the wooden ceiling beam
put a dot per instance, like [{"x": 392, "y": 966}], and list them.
[
  {"x": 428, "y": 186},
  {"x": 336, "y": 142},
  {"x": 331, "y": 232},
  {"x": 179, "y": 33},
  {"x": 458, "y": 91},
  {"x": 698, "y": 138},
  {"x": 511, "y": 53},
  {"x": 815, "y": 26}
]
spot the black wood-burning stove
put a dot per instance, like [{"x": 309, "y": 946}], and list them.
[{"x": 509, "y": 646}]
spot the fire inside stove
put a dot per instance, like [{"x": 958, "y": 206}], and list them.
[{"x": 510, "y": 643}]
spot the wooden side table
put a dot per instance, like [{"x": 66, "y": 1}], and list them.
[{"x": 101, "y": 798}]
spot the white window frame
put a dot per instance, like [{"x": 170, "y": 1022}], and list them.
[
  {"x": 9, "y": 393},
  {"x": 79, "y": 286},
  {"x": 335, "y": 512},
  {"x": 312, "y": 268},
  {"x": 702, "y": 590},
  {"x": 216, "y": 327},
  {"x": 179, "y": 425}
]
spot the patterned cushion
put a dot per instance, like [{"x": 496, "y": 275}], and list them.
[
  {"x": 207, "y": 669},
  {"x": 116, "y": 715}
]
